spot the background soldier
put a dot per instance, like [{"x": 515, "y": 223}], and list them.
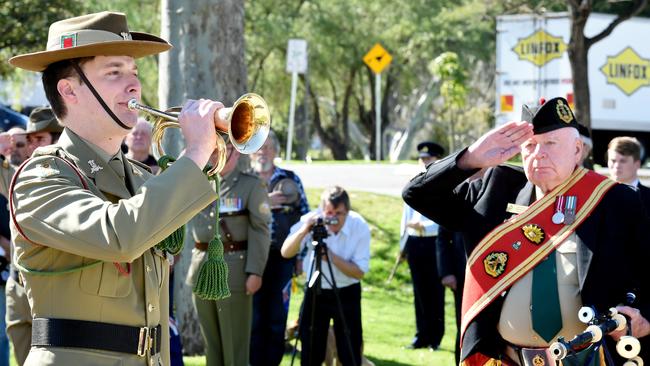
[
  {"x": 42, "y": 129},
  {"x": 418, "y": 243},
  {"x": 244, "y": 224},
  {"x": 86, "y": 226}
]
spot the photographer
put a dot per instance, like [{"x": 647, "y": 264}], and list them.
[{"x": 345, "y": 243}]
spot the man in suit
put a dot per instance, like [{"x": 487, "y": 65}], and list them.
[
  {"x": 624, "y": 156},
  {"x": 542, "y": 240},
  {"x": 89, "y": 225},
  {"x": 244, "y": 225},
  {"x": 418, "y": 245}
]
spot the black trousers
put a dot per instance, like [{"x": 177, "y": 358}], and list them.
[
  {"x": 428, "y": 292},
  {"x": 270, "y": 312},
  {"x": 314, "y": 340}
]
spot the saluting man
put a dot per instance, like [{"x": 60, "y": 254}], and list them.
[
  {"x": 244, "y": 227},
  {"x": 542, "y": 240},
  {"x": 86, "y": 221}
]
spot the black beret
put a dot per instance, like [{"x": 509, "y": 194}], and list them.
[
  {"x": 430, "y": 149},
  {"x": 549, "y": 116}
]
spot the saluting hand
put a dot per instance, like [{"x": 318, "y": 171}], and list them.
[{"x": 496, "y": 146}]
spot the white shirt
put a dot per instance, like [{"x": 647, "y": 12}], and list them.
[
  {"x": 410, "y": 215},
  {"x": 351, "y": 243}
]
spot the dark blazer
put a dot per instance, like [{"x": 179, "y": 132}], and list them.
[
  {"x": 644, "y": 192},
  {"x": 611, "y": 241}
]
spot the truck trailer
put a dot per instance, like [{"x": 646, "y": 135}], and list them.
[{"x": 532, "y": 62}]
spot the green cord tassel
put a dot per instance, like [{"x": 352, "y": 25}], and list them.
[
  {"x": 174, "y": 242},
  {"x": 212, "y": 279}
]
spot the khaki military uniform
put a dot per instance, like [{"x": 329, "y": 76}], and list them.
[
  {"x": 245, "y": 216},
  {"x": 18, "y": 314},
  {"x": 62, "y": 225}
]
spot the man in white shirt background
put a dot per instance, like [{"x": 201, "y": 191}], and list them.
[{"x": 348, "y": 250}]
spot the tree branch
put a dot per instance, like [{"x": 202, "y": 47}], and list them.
[{"x": 638, "y": 6}]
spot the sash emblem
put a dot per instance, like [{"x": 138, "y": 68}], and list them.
[
  {"x": 495, "y": 263},
  {"x": 534, "y": 233}
]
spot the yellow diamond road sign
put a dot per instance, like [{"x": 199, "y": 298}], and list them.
[
  {"x": 540, "y": 48},
  {"x": 627, "y": 70},
  {"x": 377, "y": 59}
]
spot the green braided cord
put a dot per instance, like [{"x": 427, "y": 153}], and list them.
[
  {"x": 172, "y": 244},
  {"x": 165, "y": 161},
  {"x": 212, "y": 279},
  {"x": 36, "y": 272}
]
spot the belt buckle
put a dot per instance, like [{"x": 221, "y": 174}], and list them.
[{"x": 144, "y": 342}]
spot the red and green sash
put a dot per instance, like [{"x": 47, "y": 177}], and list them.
[{"x": 515, "y": 247}]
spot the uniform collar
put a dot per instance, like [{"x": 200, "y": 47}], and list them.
[{"x": 93, "y": 162}]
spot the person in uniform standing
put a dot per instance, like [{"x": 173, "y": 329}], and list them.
[
  {"x": 90, "y": 226},
  {"x": 244, "y": 227},
  {"x": 288, "y": 204},
  {"x": 542, "y": 241},
  {"x": 418, "y": 245},
  {"x": 42, "y": 129}
]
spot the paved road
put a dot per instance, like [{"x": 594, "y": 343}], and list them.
[{"x": 377, "y": 178}]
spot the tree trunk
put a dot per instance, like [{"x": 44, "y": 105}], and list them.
[
  {"x": 578, "y": 52},
  {"x": 207, "y": 61},
  {"x": 579, "y": 46}
]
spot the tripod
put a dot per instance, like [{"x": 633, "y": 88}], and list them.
[{"x": 319, "y": 233}]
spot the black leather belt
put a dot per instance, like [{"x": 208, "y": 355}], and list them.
[{"x": 102, "y": 336}]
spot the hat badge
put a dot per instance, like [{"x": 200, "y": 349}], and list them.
[
  {"x": 68, "y": 40},
  {"x": 126, "y": 36},
  {"x": 425, "y": 149},
  {"x": 563, "y": 112}
]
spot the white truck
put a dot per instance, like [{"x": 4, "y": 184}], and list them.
[{"x": 532, "y": 62}]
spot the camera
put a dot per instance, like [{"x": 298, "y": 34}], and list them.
[{"x": 319, "y": 231}]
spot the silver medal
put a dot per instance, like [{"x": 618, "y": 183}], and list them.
[{"x": 558, "y": 218}]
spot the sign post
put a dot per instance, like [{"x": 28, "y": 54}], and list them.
[
  {"x": 296, "y": 63},
  {"x": 377, "y": 59}
]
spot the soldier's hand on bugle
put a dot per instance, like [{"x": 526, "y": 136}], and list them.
[{"x": 196, "y": 120}]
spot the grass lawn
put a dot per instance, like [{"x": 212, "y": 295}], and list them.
[{"x": 388, "y": 314}]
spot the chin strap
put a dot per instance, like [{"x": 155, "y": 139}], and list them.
[{"x": 98, "y": 97}]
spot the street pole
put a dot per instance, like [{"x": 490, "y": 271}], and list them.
[
  {"x": 378, "y": 117},
  {"x": 292, "y": 112}
]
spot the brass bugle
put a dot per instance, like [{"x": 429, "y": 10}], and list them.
[{"x": 247, "y": 124}]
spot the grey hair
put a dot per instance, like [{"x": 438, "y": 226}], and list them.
[{"x": 276, "y": 143}]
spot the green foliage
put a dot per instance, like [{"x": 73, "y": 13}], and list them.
[{"x": 24, "y": 25}]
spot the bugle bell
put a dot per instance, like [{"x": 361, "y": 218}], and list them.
[{"x": 247, "y": 124}]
